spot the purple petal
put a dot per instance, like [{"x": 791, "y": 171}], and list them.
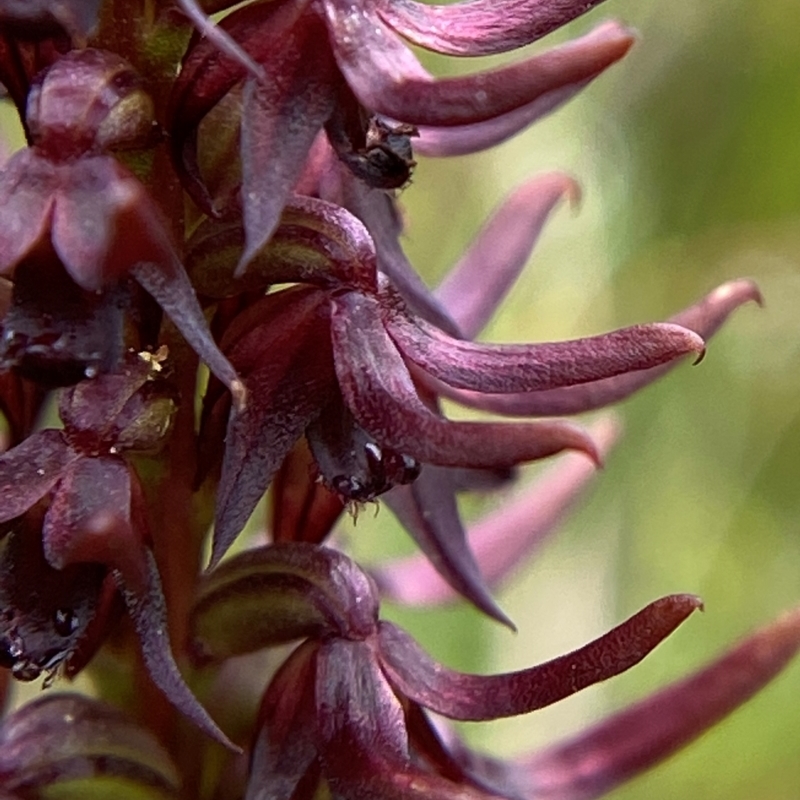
[
  {"x": 285, "y": 750},
  {"x": 479, "y": 27},
  {"x": 79, "y": 527},
  {"x": 379, "y": 391},
  {"x": 357, "y": 714},
  {"x": 388, "y": 79},
  {"x": 427, "y": 509},
  {"x": 279, "y": 593},
  {"x": 505, "y": 538},
  {"x": 115, "y": 227},
  {"x": 170, "y": 287},
  {"x": 461, "y": 140},
  {"x": 650, "y": 731},
  {"x": 280, "y": 120},
  {"x": 219, "y": 37},
  {"x": 503, "y": 369},
  {"x": 704, "y": 318},
  {"x": 483, "y": 276},
  {"x": 287, "y": 392},
  {"x": 483, "y": 697},
  {"x": 148, "y": 612},
  {"x": 208, "y": 75},
  {"x": 30, "y": 470},
  {"x": 379, "y": 213},
  {"x": 27, "y": 182}
]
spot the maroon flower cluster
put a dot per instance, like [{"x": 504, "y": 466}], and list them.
[{"x": 225, "y": 193}]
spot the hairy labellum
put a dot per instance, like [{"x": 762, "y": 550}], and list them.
[{"x": 57, "y": 333}]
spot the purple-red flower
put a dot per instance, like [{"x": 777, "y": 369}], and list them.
[
  {"x": 305, "y": 65},
  {"x": 349, "y": 708},
  {"x": 88, "y": 511},
  {"x": 345, "y": 361},
  {"x": 75, "y": 224}
]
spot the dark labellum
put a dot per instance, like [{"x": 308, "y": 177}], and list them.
[
  {"x": 56, "y": 333},
  {"x": 385, "y": 469},
  {"x": 351, "y": 462},
  {"x": 44, "y": 612}
]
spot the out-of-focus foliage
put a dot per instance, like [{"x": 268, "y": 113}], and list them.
[{"x": 689, "y": 159}]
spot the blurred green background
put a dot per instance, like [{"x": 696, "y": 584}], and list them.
[{"x": 688, "y": 152}]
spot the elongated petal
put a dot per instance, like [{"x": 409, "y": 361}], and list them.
[
  {"x": 219, "y": 37},
  {"x": 280, "y": 120},
  {"x": 482, "y": 277},
  {"x": 316, "y": 242},
  {"x": 92, "y": 491},
  {"x": 169, "y": 286},
  {"x": 286, "y": 394},
  {"x": 479, "y": 27},
  {"x": 271, "y": 595},
  {"x": 30, "y": 470},
  {"x": 147, "y": 609},
  {"x": 504, "y": 369},
  {"x": 484, "y": 697},
  {"x": 103, "y": 222},
  {"x": 504, "y": 538},
  {"x": 650, "y": 731},
  {"x": 704, "y": 318},
  {"x": 58, "y": 739},
  {"x": 461, "y": 140},
  {"x": 389, "y": 80},
  {"x": 427, "y": 509},
  {"x": 285, "y": 749},
  {"x": 379, "y": 391}
]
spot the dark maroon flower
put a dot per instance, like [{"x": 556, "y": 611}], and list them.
[
  {"x": 349, "y": 706},
  {"x": 339, "y": 64},
  {"x": 340, "y": 360},
  {"x": 65, "y": 203},
  {"x": 96, "y": 515}
]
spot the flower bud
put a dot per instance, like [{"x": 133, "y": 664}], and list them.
[
  {"x": 130, "y": 410},
  {"x": 89, "y": 101}
]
